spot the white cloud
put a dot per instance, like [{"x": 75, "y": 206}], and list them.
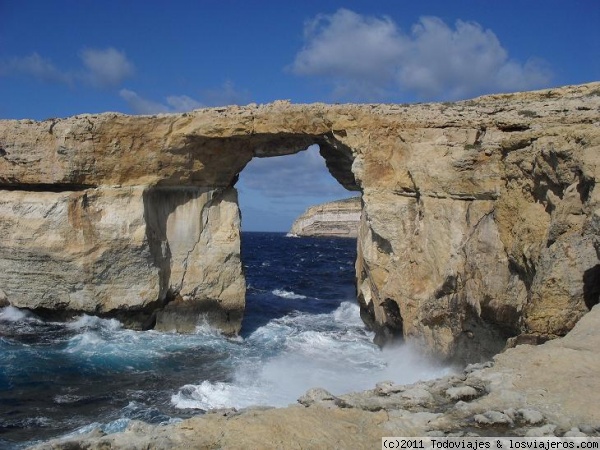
[
  {"x": 368, "y": 57},
  {"x": 106, "y": 68},
  {"x": 183, "y": 103},
  {"x": 101, "y": 68},
  {"x": 227, "y": 94},
  {"x": 36, "y": 66},
  {"x": 352, "y": 49},
  {"x": 141, "y": 105},
  {"x": 173, "y": 103}
]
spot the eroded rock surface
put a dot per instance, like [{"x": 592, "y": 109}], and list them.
[
  {"x": 478, "y": 222},
  {"x": 333, "y": 219}
]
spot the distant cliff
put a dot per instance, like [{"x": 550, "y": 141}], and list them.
[{"x": 338, "y": 219}]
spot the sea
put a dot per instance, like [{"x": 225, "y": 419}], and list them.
[{"x": 301, "y": 329}]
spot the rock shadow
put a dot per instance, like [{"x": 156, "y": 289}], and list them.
[{"x": 591, "y": 286}]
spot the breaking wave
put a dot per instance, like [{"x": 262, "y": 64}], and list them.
[
  {"x": 301, "y": 329},
  {"x": 332, "y": 351}
]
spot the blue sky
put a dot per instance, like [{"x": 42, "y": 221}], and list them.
[{"x": 60, "y": 58}]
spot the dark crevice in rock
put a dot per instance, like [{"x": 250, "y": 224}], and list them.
[
  {"x": 43, "y": 187},
  {"x": 591, "y": 286},
  {"x": 382, "y": 244},
  {"x": 367, "y": 312},
  {"x": 448, "y": 287},
  {"x": 338, "y": 159},
  {"x": 2, "y": 152},
  {"x": 513, "y": 127},
  {"x": 554, "y": 172},
  {"x": 479, "y": 136},
  {"x": 416, "y": 189},
  {"x": 134, "y": 318},
  {"x": 504, "y": 318},
  {"x": 525, "y": 275},
  {"x": 392, "y": 328},
  {"x": 418, "y": 194},
  {"x": 156, "y": 212},
  {"x": 585, "y": 187},
  {"x": 480, "y": 339},
  {"x": 54, "y": 122}
]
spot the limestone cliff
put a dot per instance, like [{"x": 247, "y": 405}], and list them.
[
  {"x": 333, "y": 219},
  {"x": 477, "y": 225}
]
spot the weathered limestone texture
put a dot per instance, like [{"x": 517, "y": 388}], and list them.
[
  {"x": 122, "y": 251},
  {"x": 333, "y": 219},
  {"x": 476, "y": 221},
  {"x": 477, "y": 225}
]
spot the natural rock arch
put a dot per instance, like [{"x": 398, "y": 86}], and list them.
[
  {"x": 186, "y": 295},
  {"x": 479, "y": 218}
]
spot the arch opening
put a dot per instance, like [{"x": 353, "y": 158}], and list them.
[{"x": 273, "y": 192}]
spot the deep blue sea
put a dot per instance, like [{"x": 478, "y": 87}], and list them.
[{"x": 301, "y": 329}]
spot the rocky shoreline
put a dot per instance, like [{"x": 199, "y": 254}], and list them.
[{"x": 548, "y": 390}]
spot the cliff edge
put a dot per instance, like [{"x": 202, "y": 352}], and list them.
[
  {"x": 340, "y": 218},
  {"x": 478, "y": 225}
]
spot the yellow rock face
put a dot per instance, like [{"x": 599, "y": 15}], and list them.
[{"x": 477, "y": 224}]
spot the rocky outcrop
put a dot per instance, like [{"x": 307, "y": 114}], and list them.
[
  {"x": 122, "y": 251},
  {"x": 477, "y": 225},
  {"x": 333, "y": 219},
  {"x": 526, "y": 391},
  {"x": 472, "y": 234}
]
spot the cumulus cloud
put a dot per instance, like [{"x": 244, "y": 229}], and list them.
[
  {"x": 101, "y": 68},
  {"x": 173, "y": 103},
  {"x": 227, "y": 94},
  {"x": 358, "y": 52},
  {"x": 106, "y": 68},
  {"x": 369, "y": 57},
  {"x": 182, "y": 103},
  {"x": 300, "y": 175},
  {"x": 142, "y": 105}
]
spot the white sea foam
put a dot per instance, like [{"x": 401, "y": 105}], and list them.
[
  {"x": 111, "y": 427},
  {"x": 348, "y": 313},
  {"x": 287, "y": 294},
  {"x": 12, "y": 314},
  {"x": 212, "y": 395},
  {"x": 103, "y": 344},
  {"x": 93, "y": 322},
  {"x": 340, "y": 357},
  {"x": 66, "y": 399},
  {"x": 89, "y": 341}
]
